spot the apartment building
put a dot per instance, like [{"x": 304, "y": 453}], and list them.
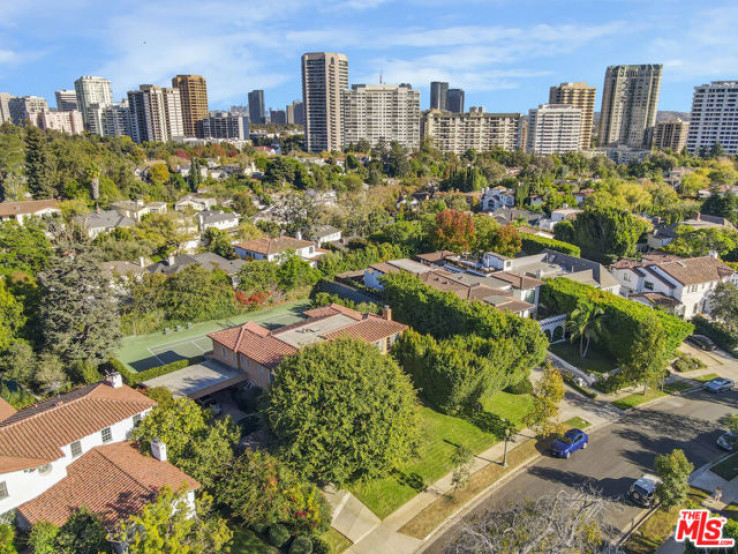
[
  {"x": 65, "y": 122},
  {"x": 294, "y": 113},
  {"x": 482, "y": 131},
  {"x": 155, "y": 114},
  {"x": 714, "y": 117},
  {"x": 66, "y": 100},
  {"x": 630, "y": 98},
  {"x": 382, "y": 113},
  {"x": 582, "y": 96},
  {"x": 109, "y": 120},
  {"x": 554, "y": 129},
  {"x": 5, "y": 98},
  {"x": 257, "y": 113},
  {"x": 324, "y": 77},
  {"x": 193, "y": 94},
  {"x": 438, "y": 95},
  {"x": 92, "y": 90},
  {"x": 455, "y": 100},
  {"x": 671, "y": 134},
  {"x": 225, "y": 125},
  {"x": 25, "y": 108}
]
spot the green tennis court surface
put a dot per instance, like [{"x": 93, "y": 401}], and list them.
[{"x": 147, "y": 351}]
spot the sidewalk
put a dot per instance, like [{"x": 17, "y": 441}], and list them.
[{"x": 370, "y": 535}]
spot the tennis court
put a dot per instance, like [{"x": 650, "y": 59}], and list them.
[{"x": 147, "y": 351}]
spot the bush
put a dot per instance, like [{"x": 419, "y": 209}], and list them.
[
  {"x": 247, "y": 398},
  {"x": 533, "y": 244},
  {"x": 719, "y": 333},
  {"x": 132, "y": 378},
  {"x": 524, "y": 386},
  {"x": 301, "y": 545},
  {"x": 42, "y": 538},
  {"x": 569, "y": 380},
  {"x": 7, "y": 539},
  {"x": 612, "y": 383},
  {"x": 320, "y": 546},
  {"x": 278, "y": 535},
  {"x": 685, "y": 362}
]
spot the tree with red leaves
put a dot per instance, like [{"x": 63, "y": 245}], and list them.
[{"x": 454, "y": 231}]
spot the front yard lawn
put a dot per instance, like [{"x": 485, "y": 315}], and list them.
[
  {"x": 596, "y": 361},
  {"x": 577, "y": 423},
  {"x": 440, "y": 435},
  {"x": 705, "y": 378},
  {"x": 337, "y": 541},
  {"x": 728, "y": 468},
  {"x": 637, "y": 398},
  {"x": 512, "y": 407}
]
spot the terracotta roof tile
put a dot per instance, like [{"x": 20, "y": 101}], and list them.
[
  {"x": 371, "y": 329},
  {"x": 6, "y": 410},
  {"x": 687, "y": 271},
  {"x": 252, "y": 342},
  {"x": 34, "y": 436},
  {"x": 8, "y": 209},
  {"x": 267, "y": 246},
  {"x": 113, "y": 481}
]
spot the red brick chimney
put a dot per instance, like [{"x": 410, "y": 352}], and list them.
[{"x": 387, "y": 313}]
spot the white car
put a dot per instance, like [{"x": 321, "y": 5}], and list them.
[{"x": 643, "y": 491}]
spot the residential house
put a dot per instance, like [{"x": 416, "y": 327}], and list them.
[
  {"x": 103, "y": 221},
  {"x": 136, "y": 209},
  {"x": 276, "y": 250},
  {"x": 195, "y": 202},
  {"x": 258, "y": 351},
  {"x": 74, "y": 450},
  {"x": 208, "y": 260},
  {"x": 509, "y": 216},
  {"x": 214, "y": 219},
  {"x": 582, "y": 195},
  {"x": 324, "y": 234},
  {"x": 662, "y": 234},
  {"x": 682, "y": 285},
  {"x": 20, "y": 211},
  {"x": 494, "y": 198},
  {"x": 562, "y": 214}
]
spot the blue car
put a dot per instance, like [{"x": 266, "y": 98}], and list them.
[
  {"x": 719, "y": 384},
  {"x": 569, "y": 442}
]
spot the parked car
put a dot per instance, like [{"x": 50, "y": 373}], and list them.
[
  {"x": 569, "y": 442},
  {"x": 702, "y": 342},
  {"x": 727, "y": 441},
  {"x": 210, "y": 403},
  {"x": 643, "y": 490},
  {"x": 718, "y": 384}
]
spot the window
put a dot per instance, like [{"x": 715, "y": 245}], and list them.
[
  {"x": 3, "y": 489},
  {"x": 107, "y": 435},
  {"x": 626, "y": 276},
  {"x": 648, "y": 285},
  {"x": 223, "y": 352},
  {"x": 137, "y": 420},
  {"x": 44, "y": 469},
  {"x": 76, "y": 449}
]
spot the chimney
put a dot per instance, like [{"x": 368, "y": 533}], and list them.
[
  {"x": 170, "y": 259},
  {"x": 387, "y": 313},
  {"x": 698, "y": 216},
  {"x": 298, "y": 235},
  {"x": 159, "y": 450},
  {"x": 114, "y": 379},
  {"x": 141, "y": 261}
]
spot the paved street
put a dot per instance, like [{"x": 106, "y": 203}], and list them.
[{"x": 618, "y": 454}]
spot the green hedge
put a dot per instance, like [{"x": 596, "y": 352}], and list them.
[
  {"x": 721, "y": 335},
  {"x": 131, "y": 378},
  {"x": 533, "y": 244},
  {"x": 625, "y": 322}
]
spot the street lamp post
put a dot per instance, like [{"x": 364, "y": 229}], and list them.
[{"x": 507, "y": 437}]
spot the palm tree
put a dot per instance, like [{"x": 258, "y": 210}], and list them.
[{"x": 583, "y": 323}]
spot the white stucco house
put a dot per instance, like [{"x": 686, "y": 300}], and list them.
[
  {"x": 212, "y": 219},
  {"x": 21, "y": 211},
  {"x": 276, "y": 250}
]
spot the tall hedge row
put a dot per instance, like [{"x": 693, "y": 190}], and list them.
[
  {"x": 627, "y": 324},
  {"x": 533, "y": 244}
]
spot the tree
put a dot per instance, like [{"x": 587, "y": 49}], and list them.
[
  {"x": 560, "y": 522},
  {"x": 259, "y": 276},
  {"x": 18, "y": 363},
  {"x": 342, "y": 411},
  {"x": 12, "y": 318},
  {"x": 462, "y": 461},
  {"x": 195, "y": 444},
  {"x": 164, "y": 232},
  {"x": 547, "y": 395},
  {"x": 397, "y": 162},
  {"x": 83, "y": 533},
  {"x": 724, "y": 304},
  {"x": 294, "y": 272},
  {"x": 7, "y": 539},
  {"x": 42, "y": 538},
  {"x": 198, "y": 294},
  {"x": 50, "y": 375},
  {"x": 261, "y": 490},
  {"x": 219, "y": 242},
  {"x": 674, "y": 470},
  {"x": 23, "y": 248},
  {"x": 168, "y": 526},
  {"x": 39, "y": 164},
  {"x": 159, "y": 174},
  {"x": 454, "y": 230},
  {"x": 79, "y": 313},
  {"x": 584, "y": 322},
  {"x": 648, "y": 355}
]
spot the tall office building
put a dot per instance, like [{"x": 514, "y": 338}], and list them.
[
  {"x": 455, "y": 100},
  {"x": 156, "y": 114},
  {"x": 278, "y": 117},
  {"x": 482, "y": 131},
  {"x": 225, "y": 125},
  {"x": 294, "y": 113},
  {"x": 382, "y": 113},
  {"x": 581, "y": 96},
  {"x": 324, "y": 78},
  {"x": 438, "y": 95},
  {"x": 110, "y": 120},
  {"x": 630, "y": 98},
  {"x": 23, "y": 108},
  {"x": 92, "y": 90},
  {"x": 193, "y": 93},
  {"x": 5, "y": 98},
  {"x": 714, "y": 118},
  {"x": 66, "y": 100},
  {"x": 554, "y": 129},
  {"x": 257, "y": 113},
  {"x": 671, "y": 134}
]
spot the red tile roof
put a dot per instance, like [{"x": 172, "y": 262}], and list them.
[
  {"x": 8, "y": 209},
  {"x": 34, "y": 436},
  {"x": 687, "y": 271},
  {"x": 113, "y": 481},
  {"x": 267, "y": 246},
  {"x": 250, "y": 339},
  {"x": 6, "y": 410},
  {"x": 371, "y": 329},
  {"x": 332, "y": 309}
]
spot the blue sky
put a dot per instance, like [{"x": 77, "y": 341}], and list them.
[{"x": 504, "y": 53}]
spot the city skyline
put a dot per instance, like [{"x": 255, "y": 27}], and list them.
[{"x": 507, "y": 66}]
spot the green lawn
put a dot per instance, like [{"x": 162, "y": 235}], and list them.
[
  {"x": 337, "y": 541},
  {"x": 245, "y": 541},
  {"x": 137, "y": 352},
  {"x": 596, "y": 361},
  {"x": 513, "y": 407},
  {"x": 678, "y": 386},
  {"x": 577, "y": 423},
  {"x": 705, "y": 378},
  {"x": 728, "y": 468},
  {"x": 440, "y": 435},
  {"x": 638, "y": 398}
]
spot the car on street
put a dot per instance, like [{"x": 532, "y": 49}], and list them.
[
  {"x": 643, "y": 490},
  {"x": 718, "y": 384},
  {"x": 702, "y": 342},
  {"x": 568, "y": 443},
  {"x": 727, "y": 441}
]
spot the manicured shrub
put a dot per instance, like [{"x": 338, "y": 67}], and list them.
[
  {"x": 719, "y": 333},
  {"x": 301, "y": 545},
  {"x": 524, "y": 386},
  {"x": 320, "y": 546},
  {"x": 278, "y": 535},
  {"x": 533, "y": 244}
]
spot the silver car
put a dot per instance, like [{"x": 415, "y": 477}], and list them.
[{"x": 727, "y": 441}]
